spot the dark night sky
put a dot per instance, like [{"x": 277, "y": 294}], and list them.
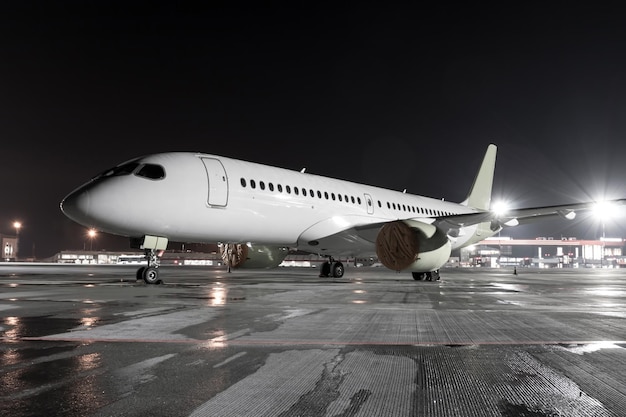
[{"x": 398, "y": 97}]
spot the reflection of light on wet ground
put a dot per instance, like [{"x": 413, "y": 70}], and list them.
[
  {"x": 510, "y": 287},
  {"x": 217, "y": 296},
  {"x": 219, "y": 341},
  {"x": 359, "y": 291},
  {"x": 606, "y": 292},
  {"x": 10, "y": 357},
  {"x": 87, "y": 362},
  {"x": 591, "y": 347},
  {"x": 88, "y": 321},
  {"x": 14, "y": 322},
  {"x": 509, "y": 302},
  {"x": 222, "y": 338},
  {"x": 359, "y": 301},
  {"x": 13, "y": 285}
]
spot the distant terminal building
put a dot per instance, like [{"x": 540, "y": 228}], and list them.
[
  {"x": 546, "y": 252},
  {"x": 9, "y": 247},
  {"x": 132, "y": 257},
  {"x": 494, "y": 252}
]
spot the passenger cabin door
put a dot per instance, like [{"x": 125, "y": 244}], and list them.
[
  {"x": 369, "y": 203},
  {"x": 218, "y": 182}
]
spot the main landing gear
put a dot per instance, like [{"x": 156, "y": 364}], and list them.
[
  {"x": 332, "y": 268},
  {"x": 426, "y": 276}
]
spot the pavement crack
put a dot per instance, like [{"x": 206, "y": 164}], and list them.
[
  {"x": 315, "y": 402},
  {"x": 356, "y": 401}
]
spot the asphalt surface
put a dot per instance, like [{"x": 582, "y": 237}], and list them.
[{"x": 88, "y": 341}]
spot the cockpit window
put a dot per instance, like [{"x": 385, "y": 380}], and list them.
[
  {"x": 125, "y": 169},
  {"x": 151, "y": 171}
]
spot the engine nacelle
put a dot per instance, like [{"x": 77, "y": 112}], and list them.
[
  {"x": 242, "y": 255},
  {"x": 412, "y": 245}
]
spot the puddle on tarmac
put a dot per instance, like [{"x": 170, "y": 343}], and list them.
[
  {"x": 13, "y": 356},
  {"x": 16, "y": 328}
]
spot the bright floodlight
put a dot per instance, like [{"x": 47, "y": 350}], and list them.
[
  {"x": 605, "y": 209},
  {"x": 92, "y": 233},
  {"x": 500, "y": 208},
  {"x": 17, "y": 225}
]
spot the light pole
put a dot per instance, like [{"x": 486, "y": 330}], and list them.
[
  {"x": 92, "y": 234},
  {"x": 17, "y": 226}
]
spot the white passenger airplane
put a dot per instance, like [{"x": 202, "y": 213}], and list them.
[{"x": 257, "y": 213}]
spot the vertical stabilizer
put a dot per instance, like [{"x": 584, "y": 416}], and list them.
[{"x": 480, "y": 194}]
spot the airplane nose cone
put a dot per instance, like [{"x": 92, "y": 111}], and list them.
[{"x": 76, "y": 206}]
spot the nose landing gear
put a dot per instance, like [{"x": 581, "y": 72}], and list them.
[
  {"x": 150, "y": 273},
  {"x": 153, "y": 247}
]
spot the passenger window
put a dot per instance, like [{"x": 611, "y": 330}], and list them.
[
  {"x": 288, "y": 189},
  {"x": 151, "y": 171},
  {"x": 312, "y": 193},
  {"x": 280, "y": 188},
  {"x": 243, "y": 182},
  {"x": 332, "y": 195},
  {"x": 262, "y": 185},
  {"x": 319, "y": 194},
  {"x": 252, "y": 183},
  {"x": 271, "y": 186},
  {"x": 339, "y": 197},
  {"x": 326, "y": 195},
  {"x": 352, "y": 199},
  {"x": 295, "y": 190},
  {"x": 359, "y": 200}
]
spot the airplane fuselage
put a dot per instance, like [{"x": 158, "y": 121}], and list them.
[{"x": 207, "y": 198}]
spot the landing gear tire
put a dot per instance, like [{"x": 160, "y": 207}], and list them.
[
  {"x": 151, "y": 275},
  {"x": 337, "y": 269},
  {"x": 427, "y": 276},
  {"x": 139, "y": 274},
  {"x": 418, "y": 276},
  {"x": 325, "y": 270},
  {"x": 434, "y": 276}
]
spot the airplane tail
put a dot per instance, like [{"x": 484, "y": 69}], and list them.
[{"x": 480, "y": 194}]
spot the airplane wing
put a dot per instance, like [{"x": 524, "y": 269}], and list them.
[
  {"x": 514, "y": 217},
  {"x": 356, "y": 235}
]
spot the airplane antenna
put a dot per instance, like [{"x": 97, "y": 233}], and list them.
[
  {"x": 404, "y": 191},
  {"x": 302, "y": 170}
]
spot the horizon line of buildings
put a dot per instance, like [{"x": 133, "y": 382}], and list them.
[{"x": 492, "y": 252}]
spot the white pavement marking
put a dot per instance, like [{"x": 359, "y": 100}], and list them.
[
  {"x": 139, "y": 373},
  {"x": 232, "y": 358}
]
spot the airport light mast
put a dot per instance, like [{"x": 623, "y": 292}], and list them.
[
  {"x": 17, "y": 225},
  {"x": 92, "y": 234}
]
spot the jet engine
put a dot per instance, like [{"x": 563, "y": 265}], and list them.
[
  {"x": 246, "y": 255},
  {"x": 412, "y": 245}
]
